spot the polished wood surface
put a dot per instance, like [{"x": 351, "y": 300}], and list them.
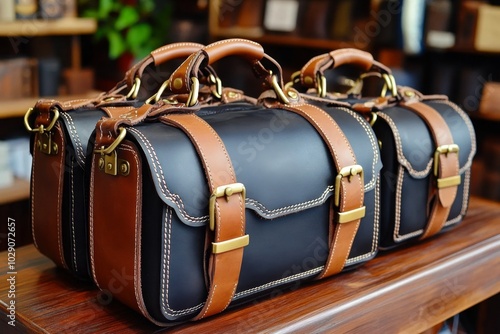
[
  {"x": 407, "y": 290},
  {"x": 64, "y": 26}
]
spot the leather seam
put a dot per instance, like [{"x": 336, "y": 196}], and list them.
[{"x": 74, "y": 134}]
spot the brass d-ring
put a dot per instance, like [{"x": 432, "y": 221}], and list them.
[
  {"x": 278, "y": 90},
  {"x": 193, "y": 94},
  {"x": 158, "y": 94},
  {"x": 41, "y": 128},
  {"x": 134, "y": 91},
  {"x": 114, "y": 145}
]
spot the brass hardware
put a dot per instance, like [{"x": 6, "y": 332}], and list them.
[
  {"x": 134, "y": 91},
  {"x": 409, "y": 93},
  {"x": 292, "y": 94},
  {"x": 114, "y": 145},
  {"x": 227, "y": 191},
  {"x": 110, "y": 161},
  {"x": 156, "y": 97},
  {"x": 278, "y": 90},
  {"x": 390, "y": 83},
  {"x": 218, "y": 85},
  {"x": 348, "y": 172},
  {"x": 373, "y": 119},
  {"x": 46, "y": 145},
  {"x": 232, "y": 95},
  {"x": 177, "y": 83},
  {"x": 124, "y": 167},
  {"x": 101, "y": 163},
  {"x": 349, "y": 216},
  {"x": 449, "y": 181},
  {"x": 308, "y": 80},
  {"x": 41, "y": 128},
  {"x": 380, "y": 144},
  {"x": 193, "y": 94},
  {"x": 229, "y": 245},
  {"x": 443, "y": 149},
  {"x": 321, "y": 85}
]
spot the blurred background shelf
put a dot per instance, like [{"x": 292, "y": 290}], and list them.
[
  {"x": 32, "y": 28},
  {"x": 18, "y": 107},
  {"x": 19, "y": 190}
]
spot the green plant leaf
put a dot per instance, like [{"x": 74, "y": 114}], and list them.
[
  {"x": 128, "y": 16},
  {"x": 137, "y": 36},
  {"x": 116, "y": 44},
  {"x": 105, "y": 7}
]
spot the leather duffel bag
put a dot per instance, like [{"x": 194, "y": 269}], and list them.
[
  {"x": 427, "y": 146},
  {"x": 213, "y": 205},
  {"x": 60, "y": 135}
]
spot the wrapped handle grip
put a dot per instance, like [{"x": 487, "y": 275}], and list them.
[
  {"x": 319, "y": 64},
  {"x": 182, "y": 80},
  {"x": 161, "y": 56}
]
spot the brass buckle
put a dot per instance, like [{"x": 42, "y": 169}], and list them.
[
  {"x": 227, "y": 191},
  {"x": 349, "y": 172},
  {"x": 134, "y": 91},
  {"x": 447, "y": 181}
]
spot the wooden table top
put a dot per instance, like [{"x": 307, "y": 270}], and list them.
[{"x": 405, "y": 290}]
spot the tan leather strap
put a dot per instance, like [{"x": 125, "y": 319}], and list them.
[
  {"x": 351, "y": 188},
  {"x": 47, "y": 186},
  {"x": 229, "y": 212},
  {"x": 361, "y": 59},
  {"x": 448, "y": 167}
]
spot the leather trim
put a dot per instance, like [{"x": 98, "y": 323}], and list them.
[
  {"x": 224, "y": 268},
  {"x": 352, "y": 191},
  {"x": 448, "y": 166},
  {"x": 46, "y": 198}
]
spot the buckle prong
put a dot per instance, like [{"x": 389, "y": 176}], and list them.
[{"x": 224, "y": 191}]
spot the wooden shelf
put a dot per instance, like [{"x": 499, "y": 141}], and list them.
[
  {"x": 288, "y": 40},
  {"x": 18, "y": 191},
  {"x": 18, "y": 107},
  {"x": 32, "y": 28},
  {"x": 406, "y": 290}
]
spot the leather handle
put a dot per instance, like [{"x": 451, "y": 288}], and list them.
[
  {"x": 180, "y": 80},
  {"x": 161, "y": 56},
  {"x": 349, "y": 56}
]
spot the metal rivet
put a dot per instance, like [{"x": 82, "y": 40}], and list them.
[
  {"x": 308, "y": 80},
  {"x": 229, "y": 191},
  {"x": 44, "y": 146},
  {"x": 54, "y": 148},
  {"x": 38, "y": 144},
  {"x": 232, "y": 95},
  {"x": 409, "y": 93},
  {"x": 101, "y": 163},
  {"x": 178, "y": 83},
  {"x": 110, "y": 166},
  {"x": 292, "y": 94},
  {"x": 124, "y": 168}
]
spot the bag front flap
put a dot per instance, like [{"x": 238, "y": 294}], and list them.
[
  {"x": 79, "y": 125},
  {"x": 277, "y": 155},
  {"x": 414, "y": 143}
]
